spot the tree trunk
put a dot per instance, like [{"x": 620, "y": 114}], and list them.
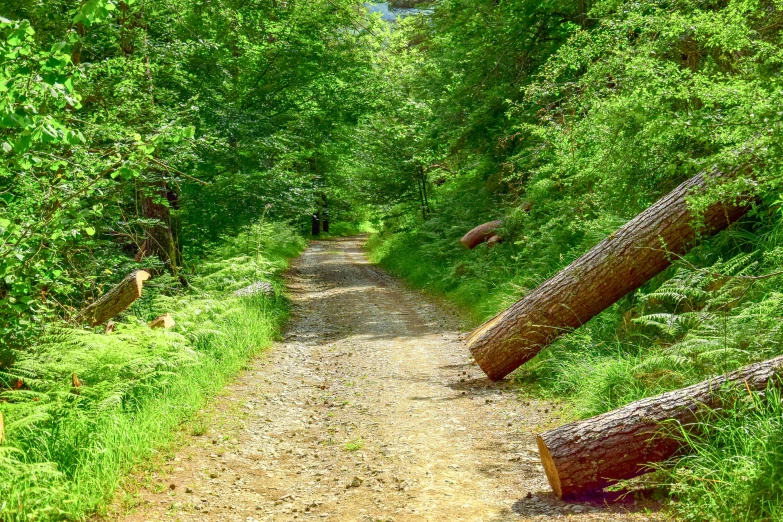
[
  {"x": 480, "y": 234},
  {"x": 159, "y": 236},
  {"x": 621, "y": 263},
  {"x": 325, "y": 216},
  {"x": 115, "y": 300},
  {"x": 316, "y": 228},
  {"x": 586, "y": 456}
]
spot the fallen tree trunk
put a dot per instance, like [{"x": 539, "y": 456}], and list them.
[
  {"x": 619, "y": 264},
  {"x": 586, "y": 456},
  {"x": 115, "y": 300},
  {"x": 480, "y": 234}
]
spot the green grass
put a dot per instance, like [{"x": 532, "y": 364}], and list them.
[
  {"x": 354, "y": 445},
  {"x": 735, "y": 470},
  {"x": 67, "y": 449}
]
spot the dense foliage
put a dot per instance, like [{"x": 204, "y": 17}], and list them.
[
  {"x": 157, "y": 127},
  {"x": 153, "y": 128},
  {"x": 566, "y": 120}
]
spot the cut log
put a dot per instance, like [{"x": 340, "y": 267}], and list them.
[
  {"x": 619, "y": 264},
  {"x": 480, "y": 234},
  {"x": 586, "y": 456},
  {"x": 115, "y": 300},
  {"x": 494, "y": 240},
  {"x": 164, "y": 321}
]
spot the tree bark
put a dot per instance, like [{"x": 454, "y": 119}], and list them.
[
  {"x": 316, "y": 224},
  {"x": 480, "y": 234},
  {"x": 115, "y": 300},
  {"x": 159, "y": 236},
  {"x": 586, "y": 456},
  {"x": 621, "y": 263},
  {"x": 325, "y": 216}
]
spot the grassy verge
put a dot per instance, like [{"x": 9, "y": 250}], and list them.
[
  {"x": 698, "y": 319},
  {"x": 67, "y": 448}
]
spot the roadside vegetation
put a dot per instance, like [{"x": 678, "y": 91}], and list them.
[{"x": 66, "y": 448}]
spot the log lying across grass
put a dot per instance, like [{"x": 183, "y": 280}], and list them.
[
  {"x": 480, "y": 234},
  {"x": 586, "y": 456},
  {"x": 115, "y": 300},
  {"x": 619, "y": 264}
]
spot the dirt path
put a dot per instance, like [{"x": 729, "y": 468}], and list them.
[{"x": 369, "y": 410}]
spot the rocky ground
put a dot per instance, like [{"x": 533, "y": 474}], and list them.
[{"x": 369, "y": 410}]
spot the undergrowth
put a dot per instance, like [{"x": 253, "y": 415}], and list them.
[
  {"x": 735, "y": 471},
  {"x": 67, "y": 447}
]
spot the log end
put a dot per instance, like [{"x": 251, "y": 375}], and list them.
[
  {"x": 494, "y": 240},
  {"x": 477, "y": 345},
  {"x": 164, "y": 321},
  {"x": 140, "y": 277},
  {"x": 549, "y": 467}
]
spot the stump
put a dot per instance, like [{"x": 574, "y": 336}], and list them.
[{"x": 164, "y": 321}]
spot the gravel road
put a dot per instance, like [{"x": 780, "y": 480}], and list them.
[{"x": 368, "y": 410}]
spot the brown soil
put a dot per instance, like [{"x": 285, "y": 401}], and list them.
[{"x": 369, "y": 410}]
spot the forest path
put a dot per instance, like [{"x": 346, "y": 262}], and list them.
[{"x": 369, "y": 410}]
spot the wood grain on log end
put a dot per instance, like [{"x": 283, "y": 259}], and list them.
[
  {"x": 141, "y": 276},
  {"x": 164, "y": 321},
  {"x": 549, "y": 467},
  {"x": 478, "y": 349},
  {"x": 479, "y": 234}
]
